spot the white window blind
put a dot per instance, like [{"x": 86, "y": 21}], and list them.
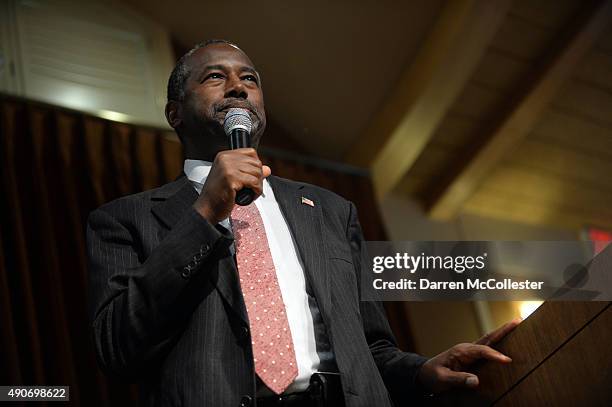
[{"x": 92, "y": 56}]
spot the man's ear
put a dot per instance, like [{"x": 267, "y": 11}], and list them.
[{"x": 174, "y": 113}]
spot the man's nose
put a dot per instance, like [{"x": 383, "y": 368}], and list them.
[{"x": 235, "y": 88}]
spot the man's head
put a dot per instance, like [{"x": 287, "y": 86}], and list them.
[{"x": 208, "y": 80}]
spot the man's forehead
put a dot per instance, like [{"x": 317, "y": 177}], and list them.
[{"x": 219, "y": 54}]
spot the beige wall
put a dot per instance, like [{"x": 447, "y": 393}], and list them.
[{"x": 439, "y": 325}]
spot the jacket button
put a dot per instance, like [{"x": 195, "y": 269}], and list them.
[
  {"x": 186, "y": 272},
  {"x": 246, "y": 401}
]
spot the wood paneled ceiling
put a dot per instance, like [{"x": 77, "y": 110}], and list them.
[
  {"x": 500, "y": 108},
  {"x": 529, "y": 136}
]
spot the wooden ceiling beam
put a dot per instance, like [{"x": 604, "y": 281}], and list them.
[
  {"x": 517, "y": 120},
  {"x": 400, "y": 131}
]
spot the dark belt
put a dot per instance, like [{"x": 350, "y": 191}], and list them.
[{"x": 324, "y": 390}]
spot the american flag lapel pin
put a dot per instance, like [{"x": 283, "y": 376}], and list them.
[{"x": 307, "y": 201}]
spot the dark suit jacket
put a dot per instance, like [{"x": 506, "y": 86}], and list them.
[{"x": 167, "y": 310}]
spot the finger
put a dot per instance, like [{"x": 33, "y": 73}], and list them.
[
  {"x": 459, "y": 379},
  {"x": 249, "y": 165},
  {"x": 253, "y": 160},
  {"x": 252, "y": 182},
  {"x": 474, "y": 352},
  {"x": 246, "y": 159},
  {"x": 250, "y": 151},
  {"x": 251, "y": 169},
  {"x": 262, "y": 171},
  {"x": 230, "y": 156},
  {"x": 496, "y": 335}
]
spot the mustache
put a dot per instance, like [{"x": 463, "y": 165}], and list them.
[{"x": 236, "y": 103}]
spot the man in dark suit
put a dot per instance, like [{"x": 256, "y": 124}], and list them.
[{"x": 209, "y": 304}]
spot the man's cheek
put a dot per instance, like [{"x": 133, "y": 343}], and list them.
[{"x": 258, "y": 128}]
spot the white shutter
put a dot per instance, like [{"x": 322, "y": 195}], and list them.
[
  {"x": 93, "y": 57},
  {"x": 11, "y": 79}
]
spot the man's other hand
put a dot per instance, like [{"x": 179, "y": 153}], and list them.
[
  {"x": 231, "y": 171},
  {"x": 445, "y": 371}
]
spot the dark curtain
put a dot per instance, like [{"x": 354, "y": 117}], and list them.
[{"x": 57, "y": 166}]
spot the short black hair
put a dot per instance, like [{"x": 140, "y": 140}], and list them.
[{"x": 180, "y": 73}]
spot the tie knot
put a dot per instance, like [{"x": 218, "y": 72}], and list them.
[
  {"x": 245, "y": 219},
  {"x": 244, "y": 212}
]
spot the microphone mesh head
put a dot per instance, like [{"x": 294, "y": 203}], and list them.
[{"x": 237, "y": 119}]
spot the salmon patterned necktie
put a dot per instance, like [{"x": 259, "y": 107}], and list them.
[{"x": 273, "y": 352}]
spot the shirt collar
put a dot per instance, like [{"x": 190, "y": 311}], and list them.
[{"x": 197, "y": 170}]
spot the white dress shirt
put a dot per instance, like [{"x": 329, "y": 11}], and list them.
[{"x": 289, "y": 272}]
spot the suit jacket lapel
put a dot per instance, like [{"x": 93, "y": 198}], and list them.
[
  {"x": 304, "y": 221},
  {"x": 176, "y": 198}
]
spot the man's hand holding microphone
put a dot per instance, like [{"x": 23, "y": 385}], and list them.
[{"x": 236, "y": 176}]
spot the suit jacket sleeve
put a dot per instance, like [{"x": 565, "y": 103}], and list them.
[
  {"x": 397, "y": 368},
  {"x": 138, "y": 304}
]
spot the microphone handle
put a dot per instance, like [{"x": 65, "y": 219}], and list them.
[{"x": 240, "y": 138}]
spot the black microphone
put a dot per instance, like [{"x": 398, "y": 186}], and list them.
[{"x": 237, "y": 126}]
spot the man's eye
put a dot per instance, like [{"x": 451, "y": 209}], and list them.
[
  {"x": 252, "y": 78},
  {"x": 214, "y": 75}
]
